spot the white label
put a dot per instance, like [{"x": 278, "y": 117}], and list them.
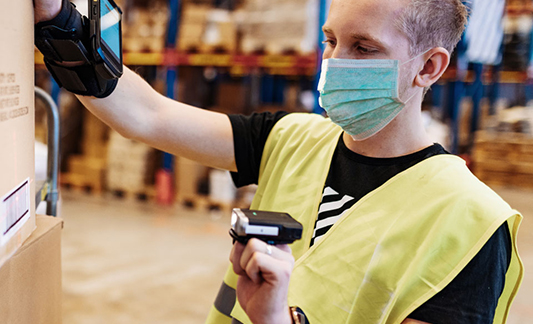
[
  {"x": 14, "y": 211},
  {"x": 262, "y": 230}
]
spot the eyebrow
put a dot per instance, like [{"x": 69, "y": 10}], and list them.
[
  {"x": 366, "y": 37},
  {"x": 359, "y": 37}
]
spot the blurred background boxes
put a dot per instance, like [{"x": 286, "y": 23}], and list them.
[
  {"x": 250, "y": 56},
  {"x": 192, "y": 26},
  {"x": 278, "y": 27},
  {"x": 145, "y": 27},
  {"x": 129, "y": 164}
]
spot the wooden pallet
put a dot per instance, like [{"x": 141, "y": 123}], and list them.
[
  {"x": 147, "y": 194},
  {"x": 504, "y": 159},
  {"x": 196, "y": 202},
  {"x": 196, "y": 46},
  {"x": 80, "y": 182},
  {"x": 85, "y": 173},
  {"x": 204, "y": 204}
]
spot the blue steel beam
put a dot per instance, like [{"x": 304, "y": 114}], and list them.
[
  {"x": 322, "y": 15},
  {"x": 172, "y": 71}
]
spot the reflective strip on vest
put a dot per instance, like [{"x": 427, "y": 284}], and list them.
[{"x": 225, "y": 299}]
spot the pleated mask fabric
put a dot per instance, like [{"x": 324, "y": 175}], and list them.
[{"x": 361, "y": 96}]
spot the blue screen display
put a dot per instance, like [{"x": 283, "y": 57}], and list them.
[{"x": 110, "y": 27}]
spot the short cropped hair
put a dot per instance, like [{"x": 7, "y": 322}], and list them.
[{"x": 433, "y": 23}]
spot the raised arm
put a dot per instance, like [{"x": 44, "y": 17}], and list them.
[{"x": 137, "y": 111}]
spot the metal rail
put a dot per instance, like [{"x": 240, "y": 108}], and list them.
[{"x": 52, "y": 194}]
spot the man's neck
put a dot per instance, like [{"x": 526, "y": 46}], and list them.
[{"x": 403, "y": 136}]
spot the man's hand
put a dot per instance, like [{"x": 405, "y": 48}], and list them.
[
  {"x": 264, "y": 272},
  {"x": 46, "y": 9}
]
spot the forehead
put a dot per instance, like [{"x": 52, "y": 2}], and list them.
[{"x": 376, "y": 18}]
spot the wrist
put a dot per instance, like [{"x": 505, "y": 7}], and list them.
[{"x": 288, "y": 317}]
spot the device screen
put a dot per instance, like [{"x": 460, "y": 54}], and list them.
[{"x": 110, "y": 27}]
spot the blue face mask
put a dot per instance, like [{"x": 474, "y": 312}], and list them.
[{"x": 361, "y": 96}]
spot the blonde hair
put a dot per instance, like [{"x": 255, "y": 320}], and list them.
[{"x": 433, "y": 23}]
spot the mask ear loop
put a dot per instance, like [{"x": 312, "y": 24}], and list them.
[
  {"x": 414, "y": 58},
  {"x": 402, "y": 64}
]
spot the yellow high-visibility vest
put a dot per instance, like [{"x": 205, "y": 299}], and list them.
[{"x": 393, "y": 250}]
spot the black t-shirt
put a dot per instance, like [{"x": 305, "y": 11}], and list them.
[{"x": 471, "y": 298}]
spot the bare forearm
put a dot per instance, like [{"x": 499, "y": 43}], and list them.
[
  {"x": 126, "y": 110},
  {"x": 137, "y": 111}
]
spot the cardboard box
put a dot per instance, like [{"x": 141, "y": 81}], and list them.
[
  {"x": 17, "y": 123},
  {"x": 232, "y": 97},
  {"x": 30, "y": 281},
  {"x": 189, "y": 174}
]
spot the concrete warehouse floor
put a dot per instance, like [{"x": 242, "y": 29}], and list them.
[{"x": 132, "y": 262}]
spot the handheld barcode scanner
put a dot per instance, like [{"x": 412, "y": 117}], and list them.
[{"x": 270, "y": 227}]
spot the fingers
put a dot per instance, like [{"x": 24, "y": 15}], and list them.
[
  {"x": 261, "y": 267},
  {"x": 235, "y": 257},
  {"x": 257, "y": 259},
  {"x": 280, "y": 252}
]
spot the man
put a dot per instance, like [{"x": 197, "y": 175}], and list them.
[{"x": 395, "y": 229}]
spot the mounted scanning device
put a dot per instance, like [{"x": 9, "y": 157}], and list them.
[
  {"x": 84, "y": 54},
  {"x": 271, "y": 227}
]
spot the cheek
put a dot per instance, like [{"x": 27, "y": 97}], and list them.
[
  {"x": 407, "y": 75},
  {"x": 406, "y": 80}
]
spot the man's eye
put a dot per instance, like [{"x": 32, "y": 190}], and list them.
[
  {"x": 365, "y": 50},
  {"x": 329, "y": 42}
]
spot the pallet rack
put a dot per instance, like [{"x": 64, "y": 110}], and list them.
[{"x": 447, "y": 94}]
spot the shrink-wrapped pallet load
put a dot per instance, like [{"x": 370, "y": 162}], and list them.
[{"x": 279, "y": 26}]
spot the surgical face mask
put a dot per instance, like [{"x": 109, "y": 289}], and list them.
[{"x": 361, "y": 96}]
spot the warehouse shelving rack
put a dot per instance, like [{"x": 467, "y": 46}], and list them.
[
  {"x": 475, "y": 83},
  {"x": 240, "y": 64},
  {"x": 447, "y": 94}
]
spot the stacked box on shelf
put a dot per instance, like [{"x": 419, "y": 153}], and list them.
[
  {"x": 279, "y": 26},
  {"x": 145, "y": 29},
  {"x": 189, "y": 174},
  {"x": 129, "y": 164},
  {"x": 192, "y": 25},
  {"x": 205, "y": 29},
  {"x": 85, "y": 172},
  {"x": 88, "y": 169},
  {"x": 519, "y": 6},
  {"x": 220, "y": 32},
  {"x": 504, "y": 159},
  {"x": 95, "y": 134},
  {"x": 222, "y": 191}
]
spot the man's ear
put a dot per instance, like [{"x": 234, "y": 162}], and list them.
[{"x": 437, "y": 61}]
